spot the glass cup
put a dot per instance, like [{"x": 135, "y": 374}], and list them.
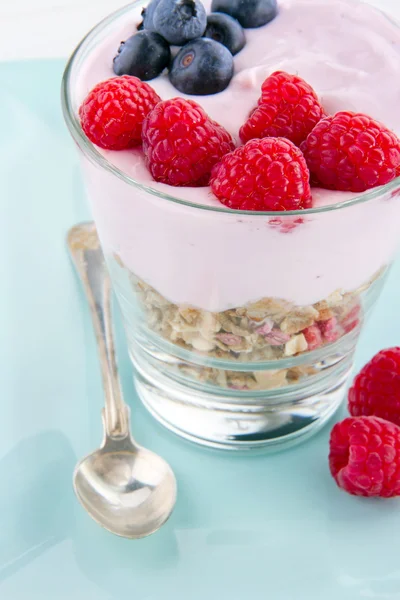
[{"x": 241, "y": 326}]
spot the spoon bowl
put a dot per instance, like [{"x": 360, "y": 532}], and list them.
[{"x": 129, "y": 491}]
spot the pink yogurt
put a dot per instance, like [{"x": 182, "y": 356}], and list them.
[{"x": 350, "y": 53}]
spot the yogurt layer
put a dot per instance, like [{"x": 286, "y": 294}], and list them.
[{"x": 350, "y": 53}]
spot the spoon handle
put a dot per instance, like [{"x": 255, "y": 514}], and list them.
[{"x": 88, "y": 258}]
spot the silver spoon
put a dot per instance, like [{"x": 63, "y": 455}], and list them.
[{"x": 125, "y": 488}]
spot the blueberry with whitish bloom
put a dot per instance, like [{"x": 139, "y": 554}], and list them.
[
  {"x": 179, "y": 21},
  {"x": 226, "y": 30},
  {"x": 148, "y": 14},
  {"x": 202, "y": 67},
  {"x": 144, "y": 55},
  {"x": 249, "y": 13}
]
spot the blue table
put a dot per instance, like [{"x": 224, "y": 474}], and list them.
[{"x": 273, "y": 527}]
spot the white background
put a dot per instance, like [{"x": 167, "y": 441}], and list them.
[{"x": 52, "y": 28}]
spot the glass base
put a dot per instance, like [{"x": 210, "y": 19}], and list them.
[
  {"x": 229, "y": 421},
  {"x": 267, "y": 374}
]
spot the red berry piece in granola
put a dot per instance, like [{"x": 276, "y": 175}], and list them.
[
  {"x": 266, "y": 327},
  {"x": 276, "y": 337},
  {"x": 313, "y": 337},
  {"x": 352, "y": 319},
  {"x": 329, "y": 329},
  {"x": 229, "y": 339}
]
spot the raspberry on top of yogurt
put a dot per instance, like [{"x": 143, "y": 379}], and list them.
[
  {"x": 352, "y": 152},
  {"x": 182, "y": 144},
  {"x": 268, "y": 174},
  {"x": 112, "y": 113},
  {"x": 214, "y": 57},
  {"x": 288, "y": 107}
]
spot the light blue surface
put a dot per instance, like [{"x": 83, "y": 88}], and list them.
[{"x": 273, "y": 527}]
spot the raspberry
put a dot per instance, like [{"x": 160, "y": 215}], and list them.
[
  {"x": 112, "y": 113},
  {"x": 376, "y": 389},
  {"x": 364, "y": 456},
  {"x": 288, "y": 108},
  {"x": 329, "y": 329},
  {"x": 268, "y": 174},
  {"x": 351, "y": 152},
  {"x": 313, "y": 337},
  {"x": 352, "y": 319},
  {"x": 182, "y": 144}
]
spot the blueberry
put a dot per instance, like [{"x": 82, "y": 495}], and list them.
[
  {"x": 225, "y": 30},
  {"x": 202, "y": 67},
  {"x": 249, "y": 13},
  {"x": 148, "y": 14},
  {"x": 145, "y": 55},
  {"x": 180, "y": 21}
]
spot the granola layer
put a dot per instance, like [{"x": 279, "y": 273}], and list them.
[{"x": 268, "y": 329}]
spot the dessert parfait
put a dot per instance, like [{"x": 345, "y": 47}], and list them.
[{"x": 241, "y": 161}]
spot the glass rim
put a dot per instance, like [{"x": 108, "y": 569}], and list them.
[{"x": 96, "y": 157}]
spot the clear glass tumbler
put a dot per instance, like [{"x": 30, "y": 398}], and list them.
[{"x": 241, "y": 326}]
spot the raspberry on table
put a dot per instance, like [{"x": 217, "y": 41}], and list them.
[
  {"x": 288, "y": 107},
  {"x": 352, "y": 152},
  {"x": 265, "y": 175},
  {"x": 112, "y": 113},
  {"x": 376, "y": 389},
  {"x": 364, "y": 456},
  {"x": 182, "y": 144}
]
